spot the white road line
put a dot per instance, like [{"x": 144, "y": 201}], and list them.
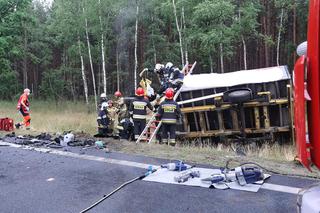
[
  {"x": 267, "y": 186},
  {"x": 80, "y": 156},
  {"x": 280, "y": 188}
]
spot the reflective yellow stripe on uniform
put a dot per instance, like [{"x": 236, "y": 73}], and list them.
[
  {"x": 169, "y": 121},
  {"x": 140, "y": 105},
  {"x": 139, "y": 116},
  {"x": 172, "y": 141},
  {"x": 169, "y": 108}
]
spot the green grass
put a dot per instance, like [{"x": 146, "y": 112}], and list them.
[
  {"x": 52, "y": 117},
  {"x": 56, "y": 118}
]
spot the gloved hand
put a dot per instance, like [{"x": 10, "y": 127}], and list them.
[
  {"x": 28, "y": 109},
  {"x": 145, "y": 69}
]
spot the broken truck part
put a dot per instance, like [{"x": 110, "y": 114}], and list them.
[{"x": 251, "y": 102}]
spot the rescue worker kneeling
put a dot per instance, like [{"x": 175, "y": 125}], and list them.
[
  {"x": 169, "y": 112},
  {"x": 103, "y": 121},
  {"x": 112, "y": 113},
  {"x": 138, "y": 111}
]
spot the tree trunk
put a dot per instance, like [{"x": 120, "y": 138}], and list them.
[
  {"x": 185, "y": 43},
  {"x": 279, "y": 37},
  {"x": 266, "y": 33},
  {"x": 91, "y": 64},
  {"x": 221, "y": 58},
  {"x": 85, "y": 86},
  {"x": 25, "y": 72},
  {"x": 153, "y": 44},
  {"x": 118, "y": 70},
  {"x": 136, "y": 46},
  {"x": 103, "y": 52},
  {"x": 211, "y": 63},
  {"x": 294, "y": 29},
  {"x": 244, "y": 53},
  {"x": 179, "y": 31}
]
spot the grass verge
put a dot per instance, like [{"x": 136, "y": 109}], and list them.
[{"x": 52, "y": 118}]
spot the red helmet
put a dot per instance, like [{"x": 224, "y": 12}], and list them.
[
  {"x": 117, "y": 94},
  {"x": 169, "y": 93},
  {"x": 139, "y": 91}
]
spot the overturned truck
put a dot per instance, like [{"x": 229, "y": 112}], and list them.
[{"x": 250, "y": 104}]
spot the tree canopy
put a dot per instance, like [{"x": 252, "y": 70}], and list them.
[{"x": 40, "y": 46}]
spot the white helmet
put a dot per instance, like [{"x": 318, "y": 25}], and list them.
[
  {"x": 104, "y": 105},
  {"x": 169, "y": 65},
  {"x": 158, "y": 67},
  {"x": 302, "y": 48},
  {"x": 103, "y": 95},
  {"x": 27, "y": 91}
]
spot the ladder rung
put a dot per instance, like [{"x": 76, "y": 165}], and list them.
[{"x": 153, "y": 123}]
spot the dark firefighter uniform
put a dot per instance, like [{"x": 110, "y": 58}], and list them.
[
  {"x": 103, "y": 122},
  {"x": 176, "y": 79},
  {"x": 138, "y": 110},
  {"x": 169, "y": 112}
]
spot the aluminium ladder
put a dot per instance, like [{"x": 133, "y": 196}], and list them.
[{"x": 154, "y": 125}]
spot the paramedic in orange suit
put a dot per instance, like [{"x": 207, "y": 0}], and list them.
[{"x": 23, "y": 107}]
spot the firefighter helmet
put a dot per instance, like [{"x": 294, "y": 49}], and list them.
[
  {"x": 158, "y": 67},
  {"x": 103, "y": 95},
  {"x": 169, "y": 93},
  {"x": 104, "y": 105},
  {"x": 169, "y": 65},
  {"x": 26, "y": 91},
  {"x": 117, "y": 94},
  {"x": 139, "y": 91}
]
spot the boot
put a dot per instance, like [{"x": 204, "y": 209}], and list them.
[{"x": 17, "y": 125}]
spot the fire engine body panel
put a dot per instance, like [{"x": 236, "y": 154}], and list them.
[{"x": 309, "y": 144}]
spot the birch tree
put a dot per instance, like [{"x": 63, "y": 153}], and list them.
[
  {"x": 90, "y": 59},
  {"x": 283, "y": 5},
  {"x": 102, "y": 51},
  {"x": 179, "y": 32},
  {"x": 136, "y": 45},
  {"x": 246, "y": 24},
  {"x": 185, "y": 30},
  {"x": 213, "y": 29},
  {"x": 83, "y": 74}
]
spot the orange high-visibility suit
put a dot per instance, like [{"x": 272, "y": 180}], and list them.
[{"x": 23, "y": 108}]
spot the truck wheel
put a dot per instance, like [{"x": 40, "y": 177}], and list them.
[{"x": 238, "y": 96}]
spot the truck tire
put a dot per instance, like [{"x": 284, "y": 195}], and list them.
[{"x": 240, "y": 95}]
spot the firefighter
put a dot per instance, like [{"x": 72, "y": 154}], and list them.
[
  {"x": 103, "y": 120},
  {"x": 23, "y": 107},
  {"x": 138, "y": 111},
  {"x": 163, "y": 77},
  {"x": 169, "y": 112},
  {"x": 176, "y": 78},
  {"x": 159, "y": 69},
  {"x": 103, "y": 98},
  {"x": 113, "y": 118},
  {"x": 120, "y": 105}
]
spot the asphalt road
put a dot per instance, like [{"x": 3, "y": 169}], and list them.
[{"x": 32, "y": 181}]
